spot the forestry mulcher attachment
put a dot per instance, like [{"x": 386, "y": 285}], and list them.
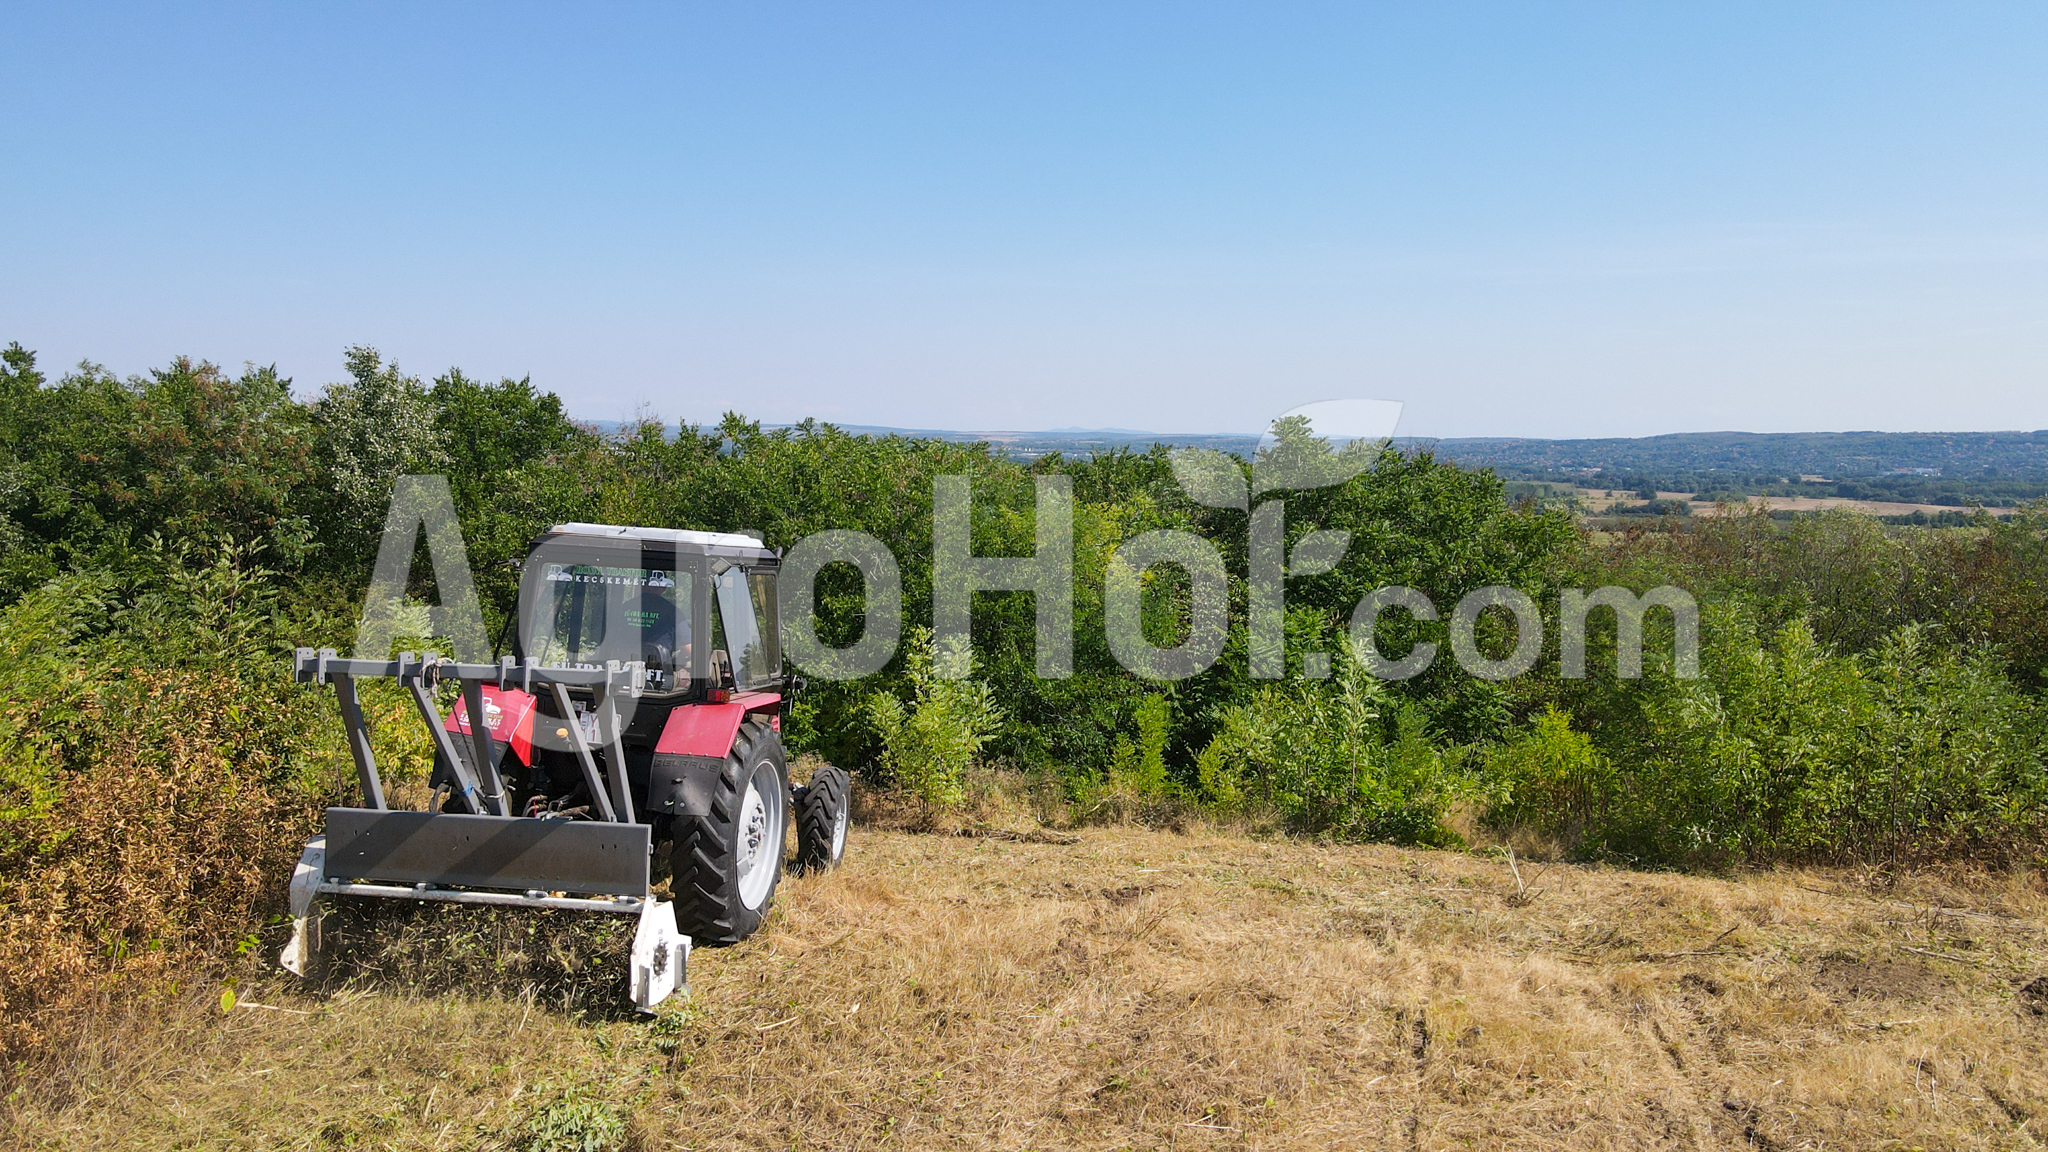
[{"x": 640, "y": 708}]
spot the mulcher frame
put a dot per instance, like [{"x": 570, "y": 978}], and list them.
[{"x": 487, "y": 855}]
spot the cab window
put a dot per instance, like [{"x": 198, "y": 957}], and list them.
[{"x": 737, "y": 630}]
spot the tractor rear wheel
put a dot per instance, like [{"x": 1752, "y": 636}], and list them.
[
  {"x": 724, "y": 865},
  {"x": 822, "y": 810}
]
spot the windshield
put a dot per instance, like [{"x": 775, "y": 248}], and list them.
[{"x": 584, "y": 615}]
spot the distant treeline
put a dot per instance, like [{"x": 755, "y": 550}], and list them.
[{"x": 1957, "y": 470}]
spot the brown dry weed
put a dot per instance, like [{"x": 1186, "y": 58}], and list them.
[{"x": 1136, "y": 988}]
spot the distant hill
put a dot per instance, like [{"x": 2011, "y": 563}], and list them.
[
  {"x": 1073, "y": 441},
  {"x": 1031, "y": 445},
  {"x": 1789, "y": 454},
  {"x": 1955, "y": 469}
]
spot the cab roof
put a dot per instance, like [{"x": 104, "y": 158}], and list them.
[{"x": 682, "y": 538}]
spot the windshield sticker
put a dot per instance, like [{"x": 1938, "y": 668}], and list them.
[{"x": 601, "y": 574}]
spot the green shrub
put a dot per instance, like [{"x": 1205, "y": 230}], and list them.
[
  {"x": 929, "y": 744},
  {"x": 1134, "y": 785},
  {"x": 574, "y": 1122},
  {"x": 1550, "y": 780},
  {"x": 1316, "y": 752},
  {"x": 1139, "y": 768}
]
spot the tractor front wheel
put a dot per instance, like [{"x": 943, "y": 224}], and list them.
[{"x": 724, "y": 865}]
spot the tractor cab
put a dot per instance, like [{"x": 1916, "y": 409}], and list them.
[
  {"x": 695, "y": 612},
  {"x": 697, "y": 609}
]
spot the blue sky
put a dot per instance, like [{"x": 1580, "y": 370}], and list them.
[{"x": 1541, "y": 220}]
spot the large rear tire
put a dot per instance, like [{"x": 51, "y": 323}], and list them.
[
  {"x": 725, "y": 864},
  {"x": 823, "y": 808}
]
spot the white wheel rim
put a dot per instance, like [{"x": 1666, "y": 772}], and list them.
[
  {"x": 839, "y": 834},
  {"x": 760, "y": 843}
]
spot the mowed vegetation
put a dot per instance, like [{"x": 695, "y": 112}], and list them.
[
  {"x": 1121, "y": 987},
  {"x": 1870, "y": 701}
]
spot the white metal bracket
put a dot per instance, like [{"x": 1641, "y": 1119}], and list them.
[
  {"x": 306, "y": 878},
  {"x": 661, "y": 955}
]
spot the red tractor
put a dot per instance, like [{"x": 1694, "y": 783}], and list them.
[{"x": 640, "y": 708}]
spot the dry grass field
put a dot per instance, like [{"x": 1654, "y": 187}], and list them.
[
  {"x": 1129, "y": 988},
  {"x": 1598, "y": 500}
]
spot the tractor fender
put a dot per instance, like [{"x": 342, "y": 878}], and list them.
[{"x": 691, "y": 753}]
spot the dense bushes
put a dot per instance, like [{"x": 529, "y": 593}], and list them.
[
  {"x": 158, "y": 775},
  {"x": 1831, "y": 720},
  {"x": 1866, "y": 693},
  {"x": 1786, "y": 749}
]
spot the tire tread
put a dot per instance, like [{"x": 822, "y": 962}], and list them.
[
  {"x": 817, "y": 804},
  {"x": 703, "y": 867}
]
